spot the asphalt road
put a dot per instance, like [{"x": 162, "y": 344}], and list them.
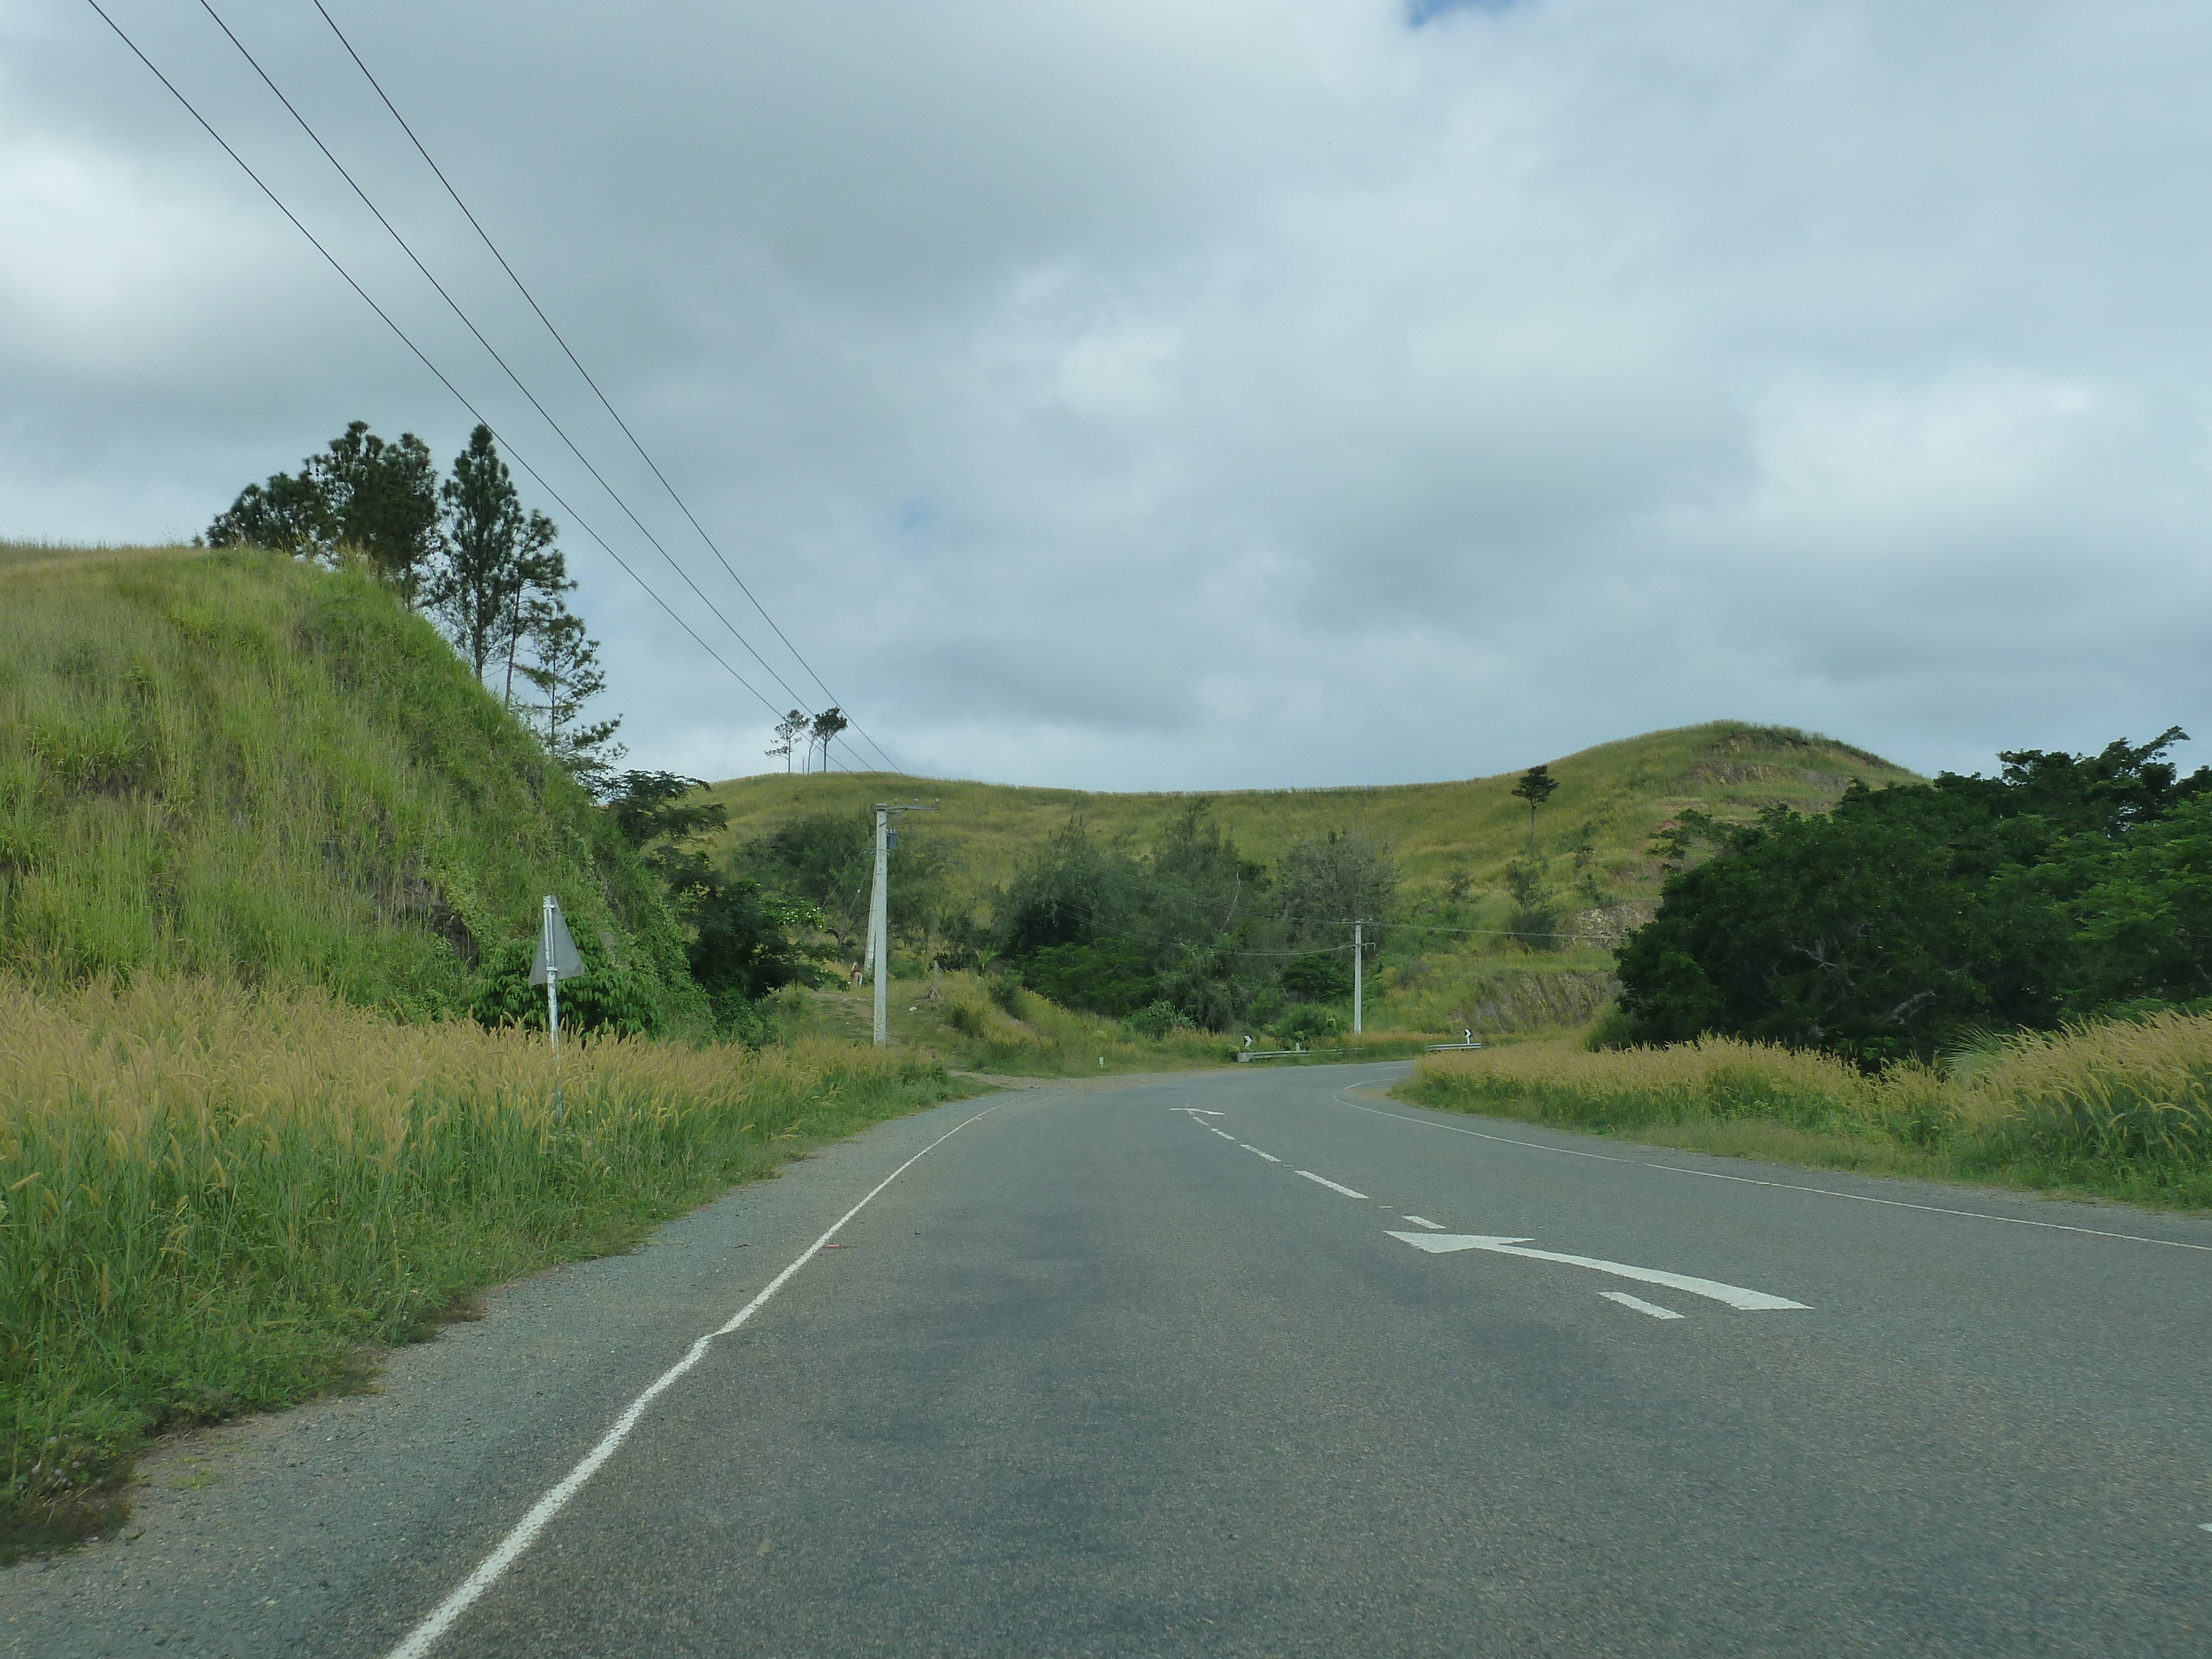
[{"x": 1251, "y": 1363}]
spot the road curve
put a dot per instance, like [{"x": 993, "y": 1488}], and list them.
[{"x": 1242, "y": 1363}]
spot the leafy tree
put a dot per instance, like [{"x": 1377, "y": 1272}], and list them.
[
  {"x": 566, "y": 672},
  {"x": 787, "y": 733},
  {"x": 1536, "y": 787},
  {"x": 1068, "y": 891},
  {"x": 495, "y": 557},
  {"x": 383, "y": 500},
  {"x": 1101, "y": 927},
  {"x": 1535, "y": 916},
  {"x": 1853, "y": 932},
  {"x": 743, "y": 938},
  {"x": 1914, "y": 913},
  {"x": 376, "y": 498},
  {"x": 1329, "y": 882},
  {"x": 824, "y": 730},
  {"x": 1321, "y": 976},
  {"x": 2141, "y": 911},
  {"x": 287, "y": 515},
  {"x": 650, "y": 806},
  {"x": 827, "y": 858},
  {"x": 1112, "y": 977}
]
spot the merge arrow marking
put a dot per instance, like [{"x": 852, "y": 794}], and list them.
[{"x": 1735, "y": 1295}]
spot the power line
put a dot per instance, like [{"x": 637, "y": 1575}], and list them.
[
  {"x": 454, "y": 305},
  {"x": 405, "y": 340},
  {"x": 605, "y": 402}
]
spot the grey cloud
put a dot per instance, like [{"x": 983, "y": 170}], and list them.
[{"x": 1142, "y": 395}]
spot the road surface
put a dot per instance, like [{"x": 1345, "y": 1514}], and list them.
[{"x": 1244, "y": 1363}]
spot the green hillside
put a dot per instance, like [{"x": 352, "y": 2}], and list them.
[
  {"x": 232, "y": 763},
  {"x": 1610, "y": 798}
]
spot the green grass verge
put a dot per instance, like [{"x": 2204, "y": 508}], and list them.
[
  {"x": 1724, "y": 1130},
  {"x": 167, "y": 1261}
]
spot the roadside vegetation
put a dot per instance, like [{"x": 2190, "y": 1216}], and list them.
[
  {"x": 1494, "y": 905},
  {"x": 215, "y": 1200},
  {"x": 274, "y": 1087},
  {"x": 2001, "y": 978},
  {"x": 1002, "y": 1027},
  {"x": 2119, "y": 1108}
]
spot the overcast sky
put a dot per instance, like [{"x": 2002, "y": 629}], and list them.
[{"x": 1145, "y": 393}]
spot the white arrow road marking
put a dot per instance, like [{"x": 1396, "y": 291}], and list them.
[
  {"x": 1331, "y": 1185},
  {"x": 1639, "y": 1304},
  {"x": 1735, "y": 1295},
  {"x": 1423, "y": 1221}
]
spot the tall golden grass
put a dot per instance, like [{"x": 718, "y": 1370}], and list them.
[
  {"x": 2129, "y": 1092},
  {"x": 210, "y": 1197}
]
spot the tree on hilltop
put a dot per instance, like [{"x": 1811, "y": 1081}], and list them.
[
  {"x": 383, "y": 501},
  {"x": 361, "y": 495},
  {"x": 788, "y": 731},
  {"x": 1536, "y": 788},
  {"x": 494, "y": 553},
  {"x": 823, "y": 732}
]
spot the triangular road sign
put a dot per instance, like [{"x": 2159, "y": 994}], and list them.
[{"x": 554, "y": 945}]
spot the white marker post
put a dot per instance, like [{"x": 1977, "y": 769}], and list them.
[
  {"x": 556, "y": 959},
  {"x": 1356, "y": 986},
  {"x": 879, "y": 908}
]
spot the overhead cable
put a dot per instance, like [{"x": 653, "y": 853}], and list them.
[
  {"x": 407, "y": 341},
  {"x": 467, "y": 322},
  {"x": 605, "y": 401}
]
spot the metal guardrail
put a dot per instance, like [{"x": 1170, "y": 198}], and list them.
[
  {"x": 1439, "y": 1047},
  {"x": 1283, "y": 1053}
]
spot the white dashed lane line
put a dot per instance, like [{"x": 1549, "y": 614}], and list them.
[
  {"x": 1639, "y": 1304},
  {"x": 1438, "y": 1242},
  {"x": 1332, "y": 1186}
]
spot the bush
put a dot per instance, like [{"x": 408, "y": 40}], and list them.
[
  {"x": 1155, "y": 1020},
  {"x": 1308, "y": 1023},
  {"x": 1612, "y": 1029},
  {"x": 1105, "y": 979},
  {"x": 1321, "y": 976}
]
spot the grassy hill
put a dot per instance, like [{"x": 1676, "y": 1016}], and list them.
[
  {"x": 1610, "y": 798},
  {"x": 230, "y": 764}
]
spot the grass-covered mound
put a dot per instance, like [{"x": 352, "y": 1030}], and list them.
[
  {"x": 1612, "y": 798},
  {"x": 234, "y": 764}
]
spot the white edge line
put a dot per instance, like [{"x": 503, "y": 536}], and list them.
[
  {"x": 1249, "y": 1147},
  {"x": 1639, "y": 1304},
  {"x": 419, "y": 1640},
  {"x": 1331, "y": 1185},
  {"x": 1933, "y": 1209},
  {"x": 1457, "y": 1129},
  {"x": 1786, "y": 1186}
]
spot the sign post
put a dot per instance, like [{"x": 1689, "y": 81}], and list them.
[{"x": 557, "y": 960}]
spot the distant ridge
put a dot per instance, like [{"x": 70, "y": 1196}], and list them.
[{"x": 1611, "y": 799}]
